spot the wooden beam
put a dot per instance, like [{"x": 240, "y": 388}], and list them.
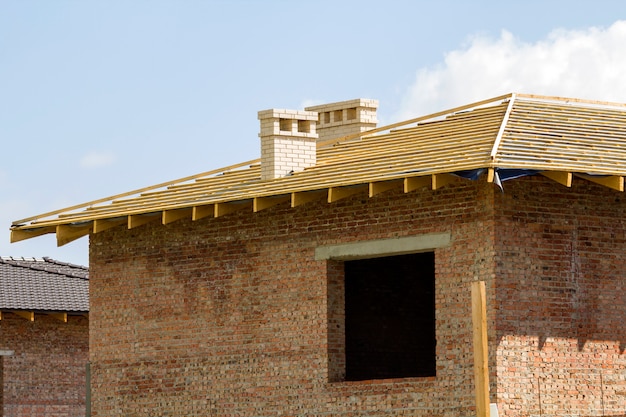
[
  {"x": 59, "y": 316},
  {"x": 200, "y": 212},
  {"x": 481, "y": 357},
  {"x": 28, "y": 315},
  {"x": 100, "y": 225},
  {"x": 382, "y": 186},
  {"x": 413, "y": 183},
  {"x": 562, "y": 177},
  {"x": 23, "y": 234},
  {"x": 338, "y": 193},
  {"x": 439, "y": 180},
  {"x": 297, "y": 199},
  {"x": 170, "y": 216},
  {"x": 68, "y": 233},
  {"x": 615, "y": 182},
  {"x": 221, "y": 209},
  {"x": 491, "y": 175},
  {"x": 262, "y": 203},
  {"x": 136, "y": 220}
]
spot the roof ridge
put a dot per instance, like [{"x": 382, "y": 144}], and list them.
[{"x": 42, "y": 264}]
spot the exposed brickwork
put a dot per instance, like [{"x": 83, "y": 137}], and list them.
[
  {"x": 561, "y": 269},
  {"x": 231, "y": 316},
  {"x": 46, "y": 375}
]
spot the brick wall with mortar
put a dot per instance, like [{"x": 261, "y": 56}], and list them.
[
  {"x": 229, "y": 316},
  {"x": 561, "y": 291},
  {"x": 46, "y": 374}
]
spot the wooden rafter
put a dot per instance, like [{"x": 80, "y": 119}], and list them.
[
  {"x": 414, "y": 183},
  {"x": 376, "y": 188},
  {"x": 440, "y": 180},
  {"x": 223, "y": 209},
  {"x": 100, "y": 225},
  {"x": 59, "y": 316},
  {"x": 297, "y": 199},
  {"x": 338, "y": 193},
  {"x": 69, "y": 233},
  {"x": 200, "y": 212},
  {"x": 170, "y": 216},
  {"x": 23, "y": 234},
  {"x": 262, "y": 203},
  {"x": 562, "y": 177},
  {"x": 141, "y": 219},
  {"x": 28, "y": 315},
  {"x": 612, "y": 181}
]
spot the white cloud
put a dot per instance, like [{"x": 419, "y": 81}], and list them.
[
  {"x": 97, "y": 159},
  {"x": 587, "y": 64}
]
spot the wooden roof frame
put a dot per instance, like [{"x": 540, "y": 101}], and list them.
[{"x": 493, "y": 127}]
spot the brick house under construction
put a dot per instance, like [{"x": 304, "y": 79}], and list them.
[
  {"x": 44, "y": 337},
  {"x": 332, "y": 276}
]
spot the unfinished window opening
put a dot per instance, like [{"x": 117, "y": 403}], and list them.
[
  {"x": 326, "y": 117},
  {"x": 285, "y": 125},
  {"x": 338, "y": 116},
  {"x": 304, "y": 126},
  {"x": 351, "y": 113},
  {"x": 389, "y": 313}
]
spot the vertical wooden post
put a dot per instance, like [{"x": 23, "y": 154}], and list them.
[{"x": 481, "y": 358}]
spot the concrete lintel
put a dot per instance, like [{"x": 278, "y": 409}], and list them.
[
  {"x": 6, "y": 353},
  {"x": 383, "y": 247}
]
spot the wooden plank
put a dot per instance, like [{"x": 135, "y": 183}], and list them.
[
  {"x": 378, "y": 187},
  {"x": 141, "y": 219},
  {"x": 23, "y": 234},
  {"x": 28, "y": 315},
  {"x": 170, "y": 216},
  {"x": 59, "y": 316},
  {"x": 262, "y": 203},
  {"x": 200, "y": 212},
  {"x": 338, "y": 193},
  {"x": 299, "y": 198},
  {"x": 413, "y": 121},
  {"x": 440, "y": 180},
  {"x": 152, "y": 187},
  {"x": 507, "y": 114},
  {"x": 480, "y": 342},
  {"x": 615, "y": 182},
  {"x": 69, "y": 233},
  {"x": 413, "y": 183},
  {"x": 100, "y": 225},
  {"x": 491, "y": 175},
  {"x": 562, "y": 177}
]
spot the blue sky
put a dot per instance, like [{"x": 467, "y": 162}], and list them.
[{"x": 99, "y": 98}]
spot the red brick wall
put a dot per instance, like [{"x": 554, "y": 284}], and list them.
[
  {"x": 46, "y": 375},
  {"x": 561, "y": 299},
  {"x": 229, "y": 316}
]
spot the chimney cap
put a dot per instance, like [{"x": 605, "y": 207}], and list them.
[{"x": 339, "y": 105}]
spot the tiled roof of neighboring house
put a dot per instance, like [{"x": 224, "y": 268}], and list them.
[
  {"x": 556, "y": 137},
  {"x": 43, "y": 284}
]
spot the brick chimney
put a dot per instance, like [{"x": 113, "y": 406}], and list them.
[
  {"x": 288, "y": 141},
  {"x": 345, "y": 118}
]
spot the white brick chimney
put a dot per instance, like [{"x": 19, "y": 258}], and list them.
[
  {"x": 345, "y": 118},
  {"x": 288, "y": 141}
]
